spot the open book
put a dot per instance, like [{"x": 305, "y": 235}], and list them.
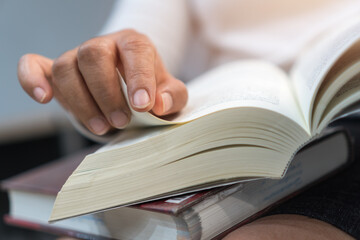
[
  {"x": 209, "y": 214},
  {"x": 244, "y": 120}
]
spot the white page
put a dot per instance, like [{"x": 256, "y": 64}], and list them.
[
  {"x": 345, "y": 97},
  {"x": 239, "y": 84},
  {"x": 312, "y": 66}
]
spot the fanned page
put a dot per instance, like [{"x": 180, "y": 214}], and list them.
[
  {"x": 251, "y": 83},
  {"x": 311, "y": 68},
  {"x": 244, "y": 109},
  {"x": 241, "y": 84},
  {"x": 350, "y": 92}
]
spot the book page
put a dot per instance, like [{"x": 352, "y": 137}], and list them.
[
  {"x": 329, "y": 89},
  {"x": 313, "y": 65},
  {"x": 345, "y": 97},
  {"x": 238, "y": 84}
]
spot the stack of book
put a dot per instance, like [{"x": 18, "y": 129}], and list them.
[
  {"x": 206, "y": 214},
  {"x": 245, "y": 123}
]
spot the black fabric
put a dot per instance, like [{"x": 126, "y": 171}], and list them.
[{"x": 337, "y": 199}]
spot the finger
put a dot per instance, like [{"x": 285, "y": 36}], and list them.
[
  {"x": 60, "y": 99},
  {"x": 97, "y": 61},
  {"x": 171, "y": 93},
  {"x": 171, "y": 96},
  {"x": 137, "y": 56},
  {"x": 34, "y": 73},
  {"x": 71, "y": 86}
]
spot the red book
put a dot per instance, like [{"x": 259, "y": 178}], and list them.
[{"x": 201, "y": 215}]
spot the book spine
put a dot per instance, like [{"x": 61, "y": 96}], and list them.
[
  {"x": 178, "y": 204},
  {"x": 221, "y": 195},
  {"x": 51, "y": 229}
]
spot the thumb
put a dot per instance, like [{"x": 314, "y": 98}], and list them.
[
  {"x": 34, "y": 73},
  {"x": 171, "y": 97}
]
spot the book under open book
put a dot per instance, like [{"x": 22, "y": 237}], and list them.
[
  {"x": 208, "y": 214},
  {"x": 243, "y": 120}
]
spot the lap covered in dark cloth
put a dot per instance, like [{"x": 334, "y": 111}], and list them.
[{"x": 337, "y": 199}]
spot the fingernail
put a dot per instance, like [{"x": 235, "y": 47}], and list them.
[
  {"x": 39, "y": 94},
  {"x": 119, "y": 119},
  {"x": 98, "y": 125},
  {"x": 167, "y": 101},
  {"x": 141, "y": 98}
]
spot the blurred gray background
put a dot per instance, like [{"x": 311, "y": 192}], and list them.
[
  {"x": 32, "y": 134},
  {"x": 46, "y": 27}
]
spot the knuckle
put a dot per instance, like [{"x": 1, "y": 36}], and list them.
[
  {"x": 95, "y": 49},
  {"x": 129, "y": 31},
  {"x": 137, "y": 43},
  {"x": 142, "y": 74},
  {"x": 62, "y": 66}
]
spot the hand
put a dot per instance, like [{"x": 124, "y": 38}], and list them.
[{"x": 84, "y": 80}]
